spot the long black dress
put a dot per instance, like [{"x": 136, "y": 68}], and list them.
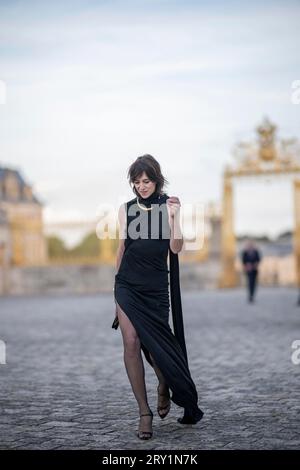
[{"x": 142, "y": 292}]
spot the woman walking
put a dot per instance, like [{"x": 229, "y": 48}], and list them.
[{"x": 149, "y": 230}]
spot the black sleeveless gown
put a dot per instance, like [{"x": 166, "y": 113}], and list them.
[{"x": 142, "y": 292}]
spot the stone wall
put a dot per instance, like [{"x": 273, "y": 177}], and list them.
[
  {"x": 60, "y": 279},
  {"x": 92, "y": 278}
]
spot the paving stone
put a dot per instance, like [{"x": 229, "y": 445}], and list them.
[{"x": 65, "y": 386}]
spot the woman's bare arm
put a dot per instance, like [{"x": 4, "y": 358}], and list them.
[
  {"x": 176, "y": 240},
  {"x": 122, "y": 234},
  {"x": 121, "y": 247}
]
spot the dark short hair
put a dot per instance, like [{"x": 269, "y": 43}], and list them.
[{"x": 148, "y": 164}]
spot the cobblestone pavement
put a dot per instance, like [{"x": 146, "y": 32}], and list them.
[{"x": 64, "y": 385}]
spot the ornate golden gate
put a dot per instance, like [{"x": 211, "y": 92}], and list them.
[{"x": 266, "y": 157}]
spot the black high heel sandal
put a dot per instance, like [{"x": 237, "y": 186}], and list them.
[
  {"x": 166, "y": 407},
  {"x": 145, "y": 435}
]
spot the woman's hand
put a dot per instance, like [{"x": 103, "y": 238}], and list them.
[
  {"x": 176, "y": 240},
  {"x": 173, "y": 206}
]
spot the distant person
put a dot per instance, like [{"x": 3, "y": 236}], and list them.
[{"x": 251, "y": 258}]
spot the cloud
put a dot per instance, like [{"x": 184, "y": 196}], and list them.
[{"x": 92, "y": 86}]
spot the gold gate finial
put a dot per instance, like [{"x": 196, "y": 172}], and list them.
[{"x": 266, "y": 132}]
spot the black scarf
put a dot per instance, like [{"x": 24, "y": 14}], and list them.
[
  {"x": 176, "y": 301},
  {"x": 152, "y": 199},
  {"x": 175, "y": 293}
]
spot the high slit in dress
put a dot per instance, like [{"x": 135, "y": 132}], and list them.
[{"x": 142, "y": 291}]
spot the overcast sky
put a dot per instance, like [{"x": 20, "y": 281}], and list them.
[{"x": 91, "y": 85}]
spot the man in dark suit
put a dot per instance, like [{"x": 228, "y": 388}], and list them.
[{"x": 251, "y": 258}]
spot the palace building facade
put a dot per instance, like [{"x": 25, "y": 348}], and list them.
[{"x": 22, "y": 241}]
